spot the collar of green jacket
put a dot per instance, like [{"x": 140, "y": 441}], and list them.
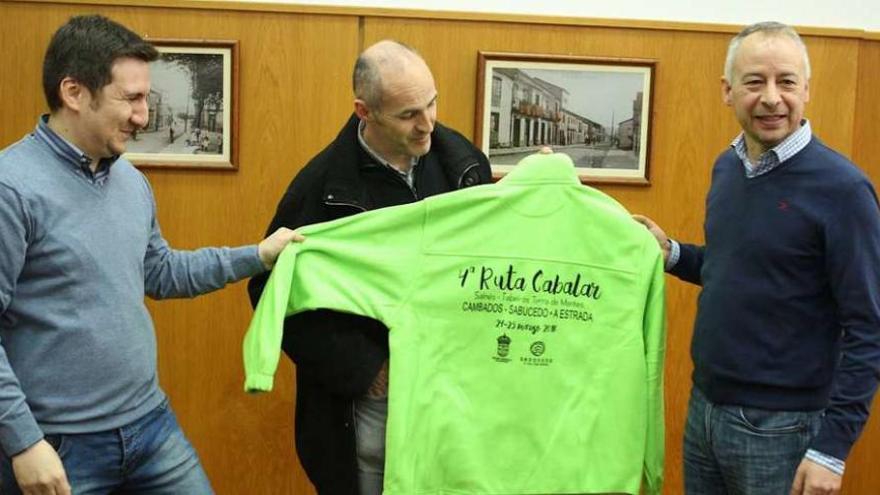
[{"x": 555, "y": 168}]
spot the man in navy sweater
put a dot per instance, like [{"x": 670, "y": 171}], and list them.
[{"x": 786, "y": 343}]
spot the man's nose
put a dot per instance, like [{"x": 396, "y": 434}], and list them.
[
  {"x": 425, "y": 122},
  {"x": 140, "y": 113},
  {"x": 770, "y": 95}
]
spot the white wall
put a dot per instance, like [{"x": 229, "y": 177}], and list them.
[{"x": 855, "y": 14}]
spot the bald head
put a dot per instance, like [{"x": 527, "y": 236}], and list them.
[
  {"x": 383, "y": 60},
  {"x": 396, "y": 102}
]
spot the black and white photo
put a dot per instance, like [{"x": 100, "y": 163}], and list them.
[
  {"x": 192, "y": 107},
  {"x": 595, "y": 110}
]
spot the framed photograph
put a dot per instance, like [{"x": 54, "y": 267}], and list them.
[
  {"x": 193, "y": 104},
  {"x": 596, "y": 110}
]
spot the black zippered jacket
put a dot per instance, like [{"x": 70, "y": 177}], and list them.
[{"x": 338, "y": 355}]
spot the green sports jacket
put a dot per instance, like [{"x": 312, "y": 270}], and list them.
[{"x": 527, "y": 333}]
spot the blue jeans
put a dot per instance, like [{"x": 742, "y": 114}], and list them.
[
  {"x": 370, "y": 416},
  {"x": 733, "y": 450},
  {"x": 148, "y": 456}
]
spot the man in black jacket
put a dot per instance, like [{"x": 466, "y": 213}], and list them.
[{"x": 390, "y": 152}]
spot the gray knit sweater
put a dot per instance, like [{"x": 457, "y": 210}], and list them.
[{"x": 77, "y": 257}]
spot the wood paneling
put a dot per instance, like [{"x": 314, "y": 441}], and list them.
[
  {"x": 862, "y": 475},
  {"x": 295, "y": 94}
]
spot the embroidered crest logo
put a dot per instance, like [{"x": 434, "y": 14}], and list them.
[{"x": 503, "y": 345}]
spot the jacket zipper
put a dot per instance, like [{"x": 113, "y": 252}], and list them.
[
  {"x": 340, "y": 203},
  {"x": 409, "y": 186}
]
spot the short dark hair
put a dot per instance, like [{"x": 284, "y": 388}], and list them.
[
  {"x": 85, "y": 48},
  {"x": 367, "y": 82}
]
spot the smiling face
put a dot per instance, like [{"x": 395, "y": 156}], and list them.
[
  {"x": 108, "y": 118},
  {"x": 768, "y": 90}
]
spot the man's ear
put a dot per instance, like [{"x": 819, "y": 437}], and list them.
[
  {"x": 725, "y": 92},
  {"x": 73, "y": 94},
  {"x": 362, "y": 110}
]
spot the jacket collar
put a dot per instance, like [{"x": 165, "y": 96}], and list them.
[
  {"x": 454, "y": 153},
  {"x": 555, "y": 168}
]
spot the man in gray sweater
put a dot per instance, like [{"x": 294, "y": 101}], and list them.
[{"x": 80, "y": 247}]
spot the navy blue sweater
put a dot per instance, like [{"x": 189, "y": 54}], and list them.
[{"x": 789, "y": 314}]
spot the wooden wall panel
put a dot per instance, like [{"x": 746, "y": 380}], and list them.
[
  {"x": 866, "y": 134},
  {"x": 862, "y": 475},
  {"x": 295, "y": 94}
]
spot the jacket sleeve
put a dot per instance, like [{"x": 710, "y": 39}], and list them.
[
  {"x": 690, "y": 263},
  {"x": 853, "y": 265},
  {"x": 340, "y": 352},
  {"x": 655, "y": 351},
  {"x": 341, "y": 266},
  {"x": 18, "y": 428},
  {"x": 177, "y": 273}
]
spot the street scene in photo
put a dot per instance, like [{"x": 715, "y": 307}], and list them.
[
  {"x": 186, "y": 106},
  {"x": 593, "y": 116}
]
